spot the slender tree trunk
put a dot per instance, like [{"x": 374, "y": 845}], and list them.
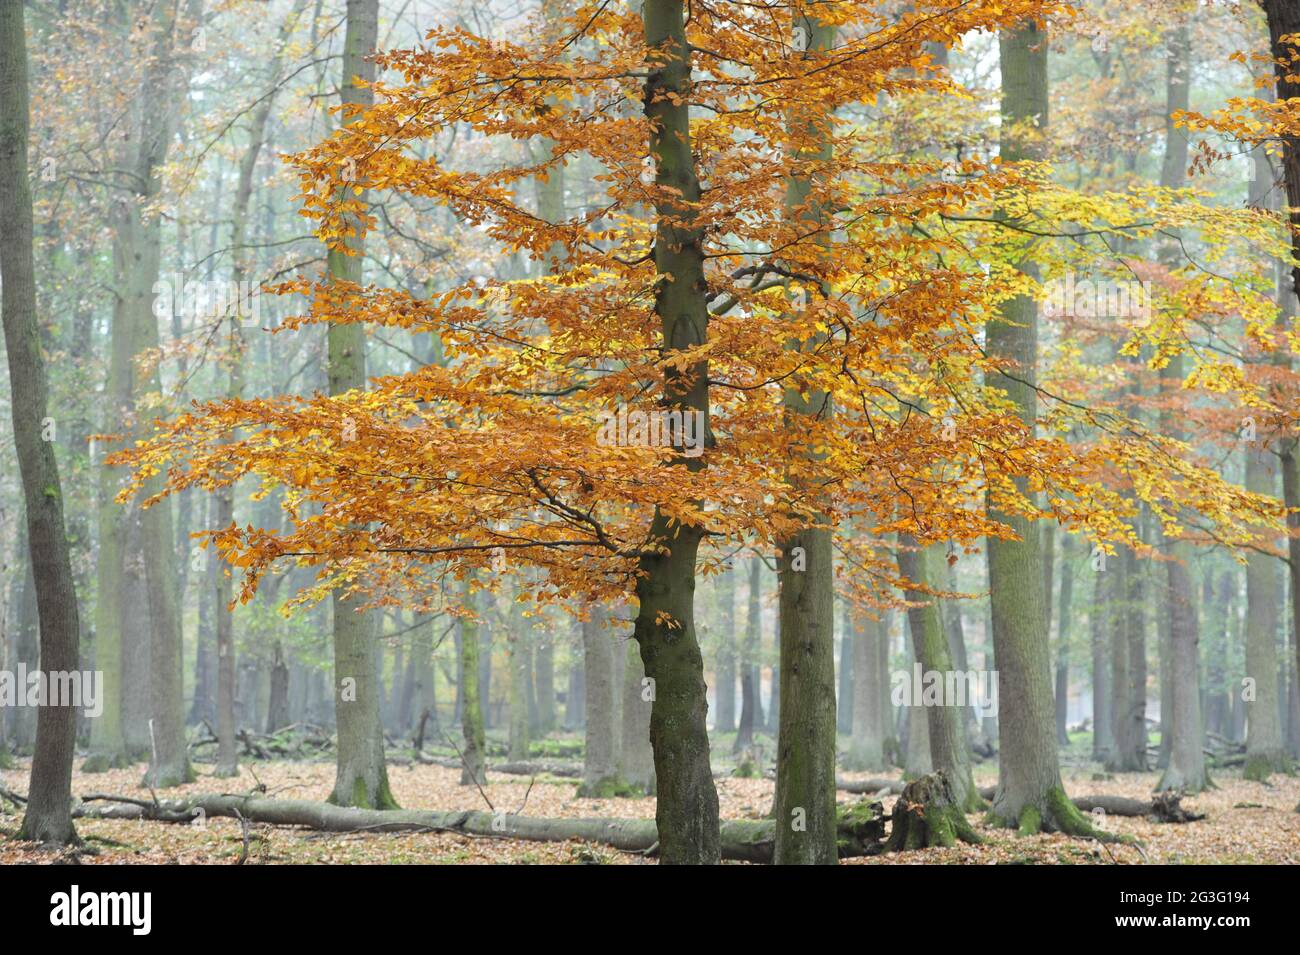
[
  {"x": 1064, "y": 623},
  {"x": 1183, "y": 730},
  {"x": 750, "y": 715},
  {"x": 1100, "y": 622},
  {"x": 726, "y": 670},
  {"x": 163, "y": 90},
  {"x": 915, "y": 731},
  {"x": 870, "y": 686},
  {"x": 949, "y": 752},
  {"x": 636, "y": 758},
  {"x": 1265, "y": 752},
  {"x": 362, "y": 776},
  {"x": 203, "y": 706},
  {"x": 49, "y": 810},
  {"x": 844, "y": 698},
  {"x": 519, "y": 660},
  {"x": 600, "y": 663},
  {"x": 474, "y": 754}
]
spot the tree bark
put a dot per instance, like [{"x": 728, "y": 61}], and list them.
[
  {"x": 687, "y": 806},
  {"x": 362, "y": 777},
  {"x": 870, "y": 686},
  {"x": 600, "y": 767},
  {"x": 1265, "y": 752},
  {"x": 949, "y": 754},
  {"x": 1063, "y": 626},
  {"x": 1186, "y": 768},
  {"x": 726, "y": 668},
  {"x": 805, "y": 764},
  {"x": 1029, "y": 794},
  {"x": 751, "y": 717},
  {"x": 49, "y": 810},
  {"x": 474, "y": 755},
  {"x": 636, "y": 758}
]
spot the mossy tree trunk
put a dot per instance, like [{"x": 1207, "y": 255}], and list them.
[
  {"x": 806, "y": 743},
  {"x": 687, "y": 808},
  {"x": 49, "y": 811},
  {"x": 1029, "y": 792},
  {"x": 474, "y": 753}
]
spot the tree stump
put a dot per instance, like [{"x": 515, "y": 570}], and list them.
[{"x": 927, "y": 815}]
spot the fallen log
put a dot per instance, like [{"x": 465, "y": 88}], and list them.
[
  {"x": 1164, "y": 807},
  {"x": 517, "y": 768},
  {"x": 870, "y": 787},
  {"x": 744, "y": 840}
]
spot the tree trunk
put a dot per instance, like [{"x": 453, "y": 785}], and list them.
[
  {"x": 915, "y": 731},
  {"x": 1029, "y": 794},
  {"x": 687, "y": 808},
  {"x": 1100, "y": 621},
  {"x": 751, "y": 717},
  {"x": 1284, "y": 22},
  {"x": 844, "y": 696},
  {"x": 1064, "y": 622},
  {"x": 474, "y": 755},
  {"x": 277, "y": 707},
  {"x": 870, "y": 686},
  {"x": 544, "y": 676},
  {"x": 362, "y": 777},
  {"x": 1186, "y": 767},
  {"x": 1128, "y": 670},
  {"x": 805, "y": 764},
  {"x": 949, "y": 753},
  {"x": 600, "y": 767},
  {"x": 636, "y": 758},
  {"x": 726, "y": 669},
  {"x": 49, "y": 810},
  {"x": 1265, "y": 752}
]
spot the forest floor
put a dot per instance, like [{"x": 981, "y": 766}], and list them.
[{"x": 1246, "y": 822}]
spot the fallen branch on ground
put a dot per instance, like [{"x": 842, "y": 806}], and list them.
[
  {"x": 1164, "y": 807},
  {"x": 745, "y": 840}
]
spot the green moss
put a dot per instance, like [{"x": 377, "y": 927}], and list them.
[
  {"x": 1262, "y": 765},
  {"x": 1031, "y": 821},
  {"x": 103, "y": 762},
  {"x": 611, "y": 787},
  {"x": 1071, "y": 821}
]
